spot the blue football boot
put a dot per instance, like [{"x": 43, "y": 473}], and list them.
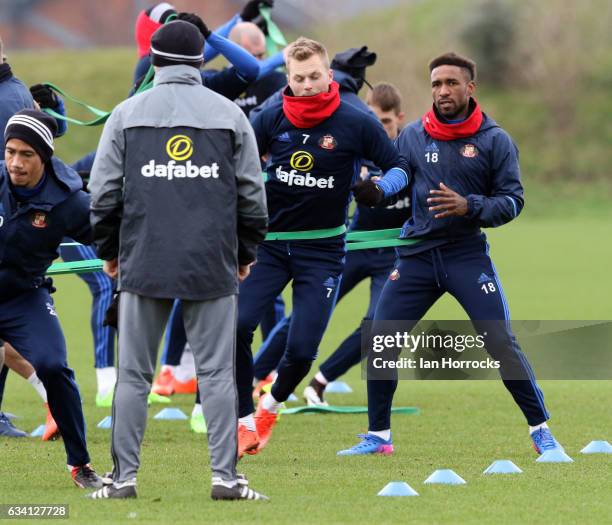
[
  {"x": 543, "y": 440},
  {"x": 370, "y": 444},
  {"x": 8, "y": 429}
]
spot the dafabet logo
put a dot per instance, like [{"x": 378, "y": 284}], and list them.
[
  {"x": 180, "y": 148},
  {"x": 304, "y": 162}
]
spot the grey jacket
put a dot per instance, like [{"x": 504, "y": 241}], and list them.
[{"x": 176, "y": 190}]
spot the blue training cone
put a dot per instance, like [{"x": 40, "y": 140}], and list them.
[
  {"x": 445, "y": 476},
  {"x": 106, "y": 422},
  {"x": 597, "y": 447},
  {"x": 170, "y": 413},
  {"x": 338, "y": 387},
  {"x": 556, "y": 455},
  {"x": 292, "y": 397},
  {"x": 38, "y": 431},
  {"x": 502, "y": 466},
  {"x": 397, "y": 488}
]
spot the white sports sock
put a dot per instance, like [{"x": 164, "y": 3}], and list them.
[
  {"x": 107, "y": 377},
  {"x": 185, "y": 371},
  {"x": 167, "y": 367},
  {"x": 248, "y": 422},
  {"x": 321, "y": 378},
  {"x": 382, "y": 434},
  {"x": 197, "y": 410},
  {"x": 38, "y": 386},
  {"x": 537, "y": 427},
  {"x": 270, "y": 404}
]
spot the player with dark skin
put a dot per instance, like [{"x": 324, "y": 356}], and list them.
[
  {"x": 451, "y": 89},
  {"x": 464, "y": 176}
]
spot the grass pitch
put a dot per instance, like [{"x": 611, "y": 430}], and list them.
[{"x": 552, "y": 268}]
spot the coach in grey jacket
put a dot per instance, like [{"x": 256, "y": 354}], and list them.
[{"x": 178, "y": 209}]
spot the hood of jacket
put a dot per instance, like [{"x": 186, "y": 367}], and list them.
[{"x": 347, "y": 82}]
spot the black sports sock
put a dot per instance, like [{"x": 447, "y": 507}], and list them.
[{"x": 3, "y": 374}]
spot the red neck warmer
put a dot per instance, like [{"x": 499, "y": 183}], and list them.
[
  {"x": 145, "y": 27},
  {"x": 444, "y": 131},
  {"x": 307, "y": 112}
]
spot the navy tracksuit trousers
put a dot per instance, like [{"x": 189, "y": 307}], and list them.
[
  {"x": 29, "y": 323},
  {"x": 456, "y": 268},
  {"x": 175, "y": 338},
  {"x": 274, "y": 314},
  {"x": 315, "y": 269},
  {"x": 101, "y": 288},
  {"x": 360, "y": 264}
]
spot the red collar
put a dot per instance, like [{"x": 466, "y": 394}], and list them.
[
  {"x": 307, "y": 112},
  {"x": 444, "y": 131}
]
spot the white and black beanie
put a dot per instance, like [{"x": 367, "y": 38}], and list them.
[
  {"x": 160, "y": 12},
  {"x": 35, "y": 128},
  {"x": 177, "y": 42}
]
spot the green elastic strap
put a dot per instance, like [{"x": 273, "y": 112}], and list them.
[
  {"x": 275, "y": 38},
  {"x": 373, "y": 235},
  {"x": 383, "y": 243},
  {"x": 344, "y": 410},
  {"x": 101, "y": 115},
  {"x": 306, "y": 235},
  {"x": 90, "y": 265},
  {"x": 147, "y": 81}
]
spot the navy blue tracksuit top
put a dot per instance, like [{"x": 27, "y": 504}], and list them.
[
  {"x": 483, "y": 168},
  {"x": 311, "y": 170},
  {"x": 32, "y": 230}
]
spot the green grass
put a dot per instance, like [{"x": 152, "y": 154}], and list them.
[
  {"x": 553, "y": 262},
  {"x": 551, "y": 269}
]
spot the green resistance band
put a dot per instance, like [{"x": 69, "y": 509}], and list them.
[
  {"x": 365, "y": 240},
  {"x": 275, "y": 38},
  {"x": 344, "y": 410},
  {"x": 147, "y": 81},
  {"x": 101, "y": 115},
  {"x": 383, "y": 243},
  {"x": 306, "y": 235},
  {"x": 91, "y": 265},
  {"x": 374, "y": 235}
]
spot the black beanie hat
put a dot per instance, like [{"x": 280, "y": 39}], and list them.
[
  {"x": 35, "y": 128},
  {"x": 177, "y": 42}
]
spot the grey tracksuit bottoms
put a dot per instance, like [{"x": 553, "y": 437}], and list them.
[{"x": 211, "y": 333}]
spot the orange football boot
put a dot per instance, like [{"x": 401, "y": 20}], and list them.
[
  {"x": 248, "y": 441},
  {"x": 264, "y": 422},
  {"x": 164, "y": 384},
  {"x": 189, "y": 387},
  {"x": 51, "y": 431}
]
